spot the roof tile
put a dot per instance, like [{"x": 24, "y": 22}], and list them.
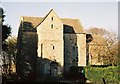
[{"x": 75, "y": 23}]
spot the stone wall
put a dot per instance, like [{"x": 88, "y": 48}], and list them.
[
  {"x": 81, "y": 42},
  {"x": 74, "y": 50},
  {"x": 70, "y": 51},
  {"x": 27, "y": 55},
  {"x": 50, "y": 38}
]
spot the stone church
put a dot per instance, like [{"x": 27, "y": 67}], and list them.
[{"x": 50, "y": 45}]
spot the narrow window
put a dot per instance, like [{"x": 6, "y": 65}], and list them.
[
  {"x": 53, "y": 47},
  {"x": 52, "y": 18},
  {"x": 41, "y": 49},
  {"x": 51, "y": 25}
]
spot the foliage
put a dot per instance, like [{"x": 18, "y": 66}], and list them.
[
  {"x": 3, "y": 61},
  {"x": 6, "y": 31},
  {"x": 11, "y": 51},
  {"x": 96, "y": 74},
  {"x": 11, "y": 42},
  {"x": 103, "y": 47},
  {"x": 8, "y": 57}
]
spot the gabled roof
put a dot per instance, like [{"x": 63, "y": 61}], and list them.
[
  {"x": 75, "y": 23},
  {"x": 35, "y": 21}
]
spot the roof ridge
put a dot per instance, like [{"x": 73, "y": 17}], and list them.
[
  {"x": 32, "y": 16},
  {"x": 45, "y": 16},
  {"x": 70, "y": 18}
]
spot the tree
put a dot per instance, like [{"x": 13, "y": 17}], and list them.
[
  {"x": 11, "y": 51},
  {"x": 6, "y": 31},
  {"x": 113, "y": 54},
  {"x": 103, "y": 47}
]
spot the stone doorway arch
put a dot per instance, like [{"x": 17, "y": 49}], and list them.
[
  {"x": 47, "y": 68},
  {"x": 54, "y": 69}
]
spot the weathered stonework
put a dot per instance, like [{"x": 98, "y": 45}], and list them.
[
  {"x": 81, "y": 41},
  {"x": 53, "y": 44},
  {"x": 50, "y": 38}
]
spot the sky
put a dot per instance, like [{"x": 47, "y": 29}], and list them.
[{"x": 91, "y": 14}]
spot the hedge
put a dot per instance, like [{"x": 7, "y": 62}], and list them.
[{"x": 96, "y": 74}]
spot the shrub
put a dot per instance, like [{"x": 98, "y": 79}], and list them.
[{"x": 96, "y": 74}]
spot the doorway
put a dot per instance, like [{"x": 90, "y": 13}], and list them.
[{"x": 53, "y": 69}]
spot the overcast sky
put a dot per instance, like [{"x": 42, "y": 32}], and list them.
[{"x": 90, "y": 14}]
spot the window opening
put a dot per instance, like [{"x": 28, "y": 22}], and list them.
[
  {"x": 51, "y": 25},
  {"x": 52, "y": 18}
]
